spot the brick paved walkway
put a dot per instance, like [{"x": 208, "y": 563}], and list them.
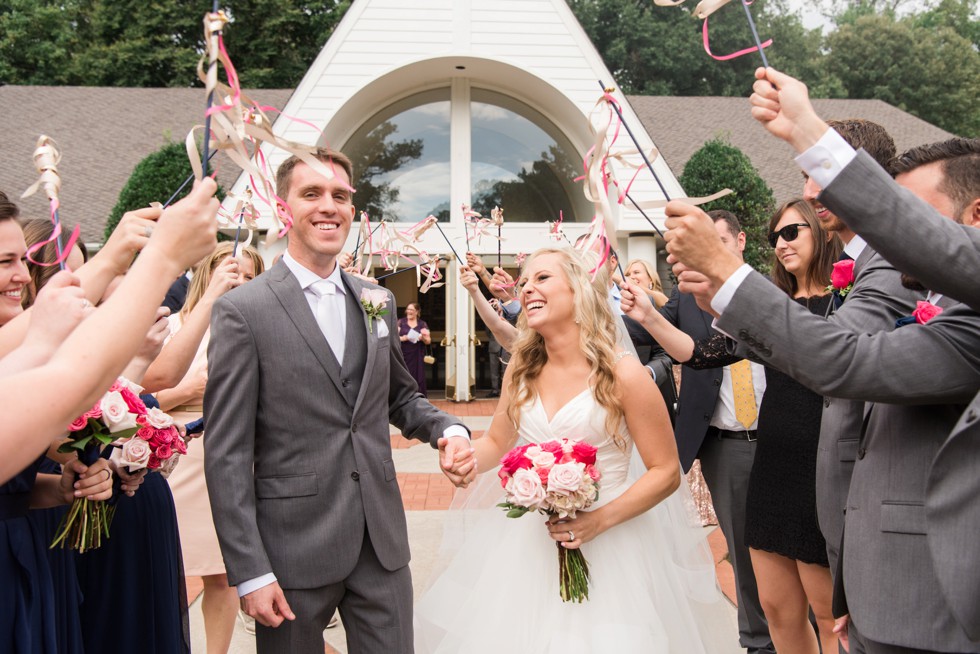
[{"x": 433, "y": 492}]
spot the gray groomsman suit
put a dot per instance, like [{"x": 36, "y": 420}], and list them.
[
  {"x": 876, "y": 300},
  {"x": 946, "y": 258},
  {"x": 299, "y": 464},
  {"x": 892, "y": 589}
]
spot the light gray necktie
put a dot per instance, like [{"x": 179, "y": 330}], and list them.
[{"x": 330, "y": 316}]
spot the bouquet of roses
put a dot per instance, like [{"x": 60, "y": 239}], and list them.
[
  {"x": 557, "y": 477},
  {"x": 148, "y": 438}
]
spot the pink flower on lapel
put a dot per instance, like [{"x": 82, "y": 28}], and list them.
[
  {"x": 842, "y": 277},
  {"x": 925, "y": 311}
]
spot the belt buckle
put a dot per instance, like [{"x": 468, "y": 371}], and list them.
[{"x": 749, "y": 437}]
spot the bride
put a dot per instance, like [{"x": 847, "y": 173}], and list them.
[{"x": 652, "y": 585}]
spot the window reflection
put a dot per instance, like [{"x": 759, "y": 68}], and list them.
[
  {"x": 521, "y": 167},
  {"x": 401, "y": 160}
]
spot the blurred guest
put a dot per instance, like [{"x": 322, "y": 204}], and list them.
[
  {"x": 414, "y": 334},
  {"x": 645, "y": 276}
]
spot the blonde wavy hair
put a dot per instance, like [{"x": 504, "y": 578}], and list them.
[
  {"x": 205, "y": 269},
  {"x": 597, "y": 340}
]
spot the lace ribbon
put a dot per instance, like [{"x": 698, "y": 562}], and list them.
[{"x": 46, "y": 160}]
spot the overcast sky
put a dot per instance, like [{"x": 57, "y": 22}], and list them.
[{"x": 811, "y": 16}]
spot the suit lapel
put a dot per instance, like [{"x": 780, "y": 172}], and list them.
[
  {"x": 296, "y": 307},
  {"x": 863, "y": 260},
  {"x": 355, "y": 285}
]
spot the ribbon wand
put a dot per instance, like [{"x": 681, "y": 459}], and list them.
[
  {"x": 214, "y": 21},
  {"x": 46, "y": 159},
  {"x": 755, "y": 33},
  {"x": 497, "y": 215}
]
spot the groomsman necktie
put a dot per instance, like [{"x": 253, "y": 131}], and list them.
[
  {"x": 746, "y": 410},
  {"x": 331, "y": 315}
]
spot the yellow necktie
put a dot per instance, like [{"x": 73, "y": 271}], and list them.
[{"x": 746, "y": 410}]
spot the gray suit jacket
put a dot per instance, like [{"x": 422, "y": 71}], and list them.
[
  {"x": 919, "y": 377},
  {"x": 299, "y": 464},
  {"x": 892, "y": 219},
  {"x": 876, "y": 300},
  {"x": 914, "y": 237}
]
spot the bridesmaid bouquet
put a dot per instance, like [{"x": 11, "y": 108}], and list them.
[
  {"x": 557, "y": 477},
  {"x": 148, "y": 438}
]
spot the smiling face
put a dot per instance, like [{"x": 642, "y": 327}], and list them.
[
  {"x": 828, "y": 221},
  {"x": 13, "y": 270},
  {"x": 638, "y": 275},
  {"x": 545, "y": 294},
  {"x": 796, "y": 255},
  {"x": 322, "y": 214}
]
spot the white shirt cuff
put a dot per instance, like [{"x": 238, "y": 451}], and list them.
[
  {"x": 727, "y": 291},
  {"x": 253, "y": 585},
  {"x": 824, "y": 160},
  {"x": 456, "y": 430},
  {"x": 653, "y": 373}
]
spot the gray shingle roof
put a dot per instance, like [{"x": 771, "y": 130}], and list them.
[{"x": 104, "y": 132}]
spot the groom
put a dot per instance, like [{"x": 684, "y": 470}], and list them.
[{"x": 303, "y": 382}]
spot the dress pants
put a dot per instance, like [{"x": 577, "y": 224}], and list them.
[
  {"x": 375, "y": 605},
  {"x": 865, "y": 646},
  {"x": 726, "y": 464}
]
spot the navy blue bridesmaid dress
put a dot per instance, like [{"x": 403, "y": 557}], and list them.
[
  {"x": 134, "y": 597},
  {"x": 27, "y": 602}
]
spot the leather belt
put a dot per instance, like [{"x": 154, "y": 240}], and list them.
[
  {"x": 14, "y": 505},
  {"x": 736, "y": 435}
]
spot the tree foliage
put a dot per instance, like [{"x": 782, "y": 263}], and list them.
[
  {"x": 718, "y": 165},
  {"x": 376, "y": 156},
  {"x": 154, "y": 179}
]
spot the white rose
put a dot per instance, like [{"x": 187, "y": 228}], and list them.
[
  {"x": 541, "y": 458},
  {"x": 565, "y": 478},
  {"x": 168, "y": 466},
  {"x": 136, "y": 388},
  {"x": 525, "y": 489},
  {"x": 116, "y": 413},
  {"x": 135, "y": 454},
  {"x": 158, "y": 419}
]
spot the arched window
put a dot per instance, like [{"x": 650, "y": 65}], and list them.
[{"x": 519, "y": 160}]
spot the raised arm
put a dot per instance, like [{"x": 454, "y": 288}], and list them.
[{"x": 503, "y": 331}]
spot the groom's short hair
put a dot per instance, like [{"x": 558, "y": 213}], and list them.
[{"x": 332, "y": 158}]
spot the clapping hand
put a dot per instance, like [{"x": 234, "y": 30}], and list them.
[{"x": 457, "y": 461}]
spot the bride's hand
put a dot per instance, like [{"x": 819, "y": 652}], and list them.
[{"x": 572, "y": 533}]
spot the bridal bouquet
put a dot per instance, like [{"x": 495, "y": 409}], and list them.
[
  {"x": 148, "y": 438},
  {"x": 557, "y": 477}
]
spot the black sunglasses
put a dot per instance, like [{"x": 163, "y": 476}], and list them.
[{"x": 789, "y": 233}]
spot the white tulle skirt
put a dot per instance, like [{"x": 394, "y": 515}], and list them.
[{"x": 653, "y": 587}]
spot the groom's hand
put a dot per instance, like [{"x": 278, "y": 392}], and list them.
[
  {"x": 457, "y": 461},
  {"x": 268, "y": 605}
]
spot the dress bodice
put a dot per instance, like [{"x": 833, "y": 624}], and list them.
[{"x": 582, "y": 419}]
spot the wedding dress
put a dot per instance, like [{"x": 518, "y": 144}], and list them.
[{"x": 653, "y": 588}]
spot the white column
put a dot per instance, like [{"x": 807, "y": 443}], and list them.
[{"x": 458, "y": 372}]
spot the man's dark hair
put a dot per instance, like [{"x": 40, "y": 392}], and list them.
[
  {"x": 960, "y": 159},
  {"x": 284, "y": 173},
  {"x": 874, "y": 138},
  {"x": 730, "y": 219}
]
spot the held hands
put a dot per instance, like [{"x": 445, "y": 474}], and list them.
[
  {"x": 457, "y": 460},
  {"x": 93, "y": 482},
  {"x": 782, "y": 104},
  {"x": 268, "y": 605},
  {"x": 573, "y": 533}
]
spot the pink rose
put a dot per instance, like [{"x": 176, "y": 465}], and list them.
[
  {"x": 179, "y": 445},
  {"x": 925, "y": 311},
  {"x": 146, "y": 433},
  {"x": 565, "y": 478},
  {"x": 133, "y": 401},
  {"x": 154, "y": 462},
  {"x": 135, "y": 454},
  {"x": 78, "y": 424},
  {"x": 94, "y": 412},
  {"x": 525, "y": 489},
  {"x": 843, "y": 274},
  {"x": 375, "y": 297},
  {"x": 168, "y": 466},
  {"x": 115, "y": 412},
  {"x": 504, "y": 477},
  {"x": 593, "y": 472},
  {"x": 539, "y": 457},
  {"x": 584, "y": 453},
  {"x": 164, "y": 452},
  {"x": 515, "y": 460},
  {"x": 554, "y": 447},
  {"x": 543, "y": 474},
  {"x": 156, "y": 418}
]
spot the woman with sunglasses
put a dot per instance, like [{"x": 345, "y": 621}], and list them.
[{"x": 788, "y": 551}]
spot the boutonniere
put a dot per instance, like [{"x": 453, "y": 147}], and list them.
[
  {"x": 374, "y": 301},
  {"x": 842, "y": 278},
  {"x": 924, "y": 312}
]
